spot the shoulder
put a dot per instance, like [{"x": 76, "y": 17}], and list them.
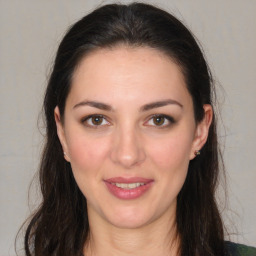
[{"x": 235, "y": 249}]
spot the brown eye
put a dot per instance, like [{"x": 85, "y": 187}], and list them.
[
  {"x": 97, "y": 120},
  {"x": 159, "y": 120}
]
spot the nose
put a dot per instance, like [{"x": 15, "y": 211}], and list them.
[{"x": 127, "y": 150}]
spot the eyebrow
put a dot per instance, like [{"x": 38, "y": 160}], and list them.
[
  {"x": 146, "y": 107},
  {"x": 159, "y": 104},
  {"x": 94, "y": 104}
]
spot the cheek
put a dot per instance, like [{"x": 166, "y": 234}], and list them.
[
  {"x": 171, "y": 159},
  {"x": 87, "y": 154},
  {"x": 172, "y": 152}
]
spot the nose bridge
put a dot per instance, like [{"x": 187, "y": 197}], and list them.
[{"x": 127, "y": 147}]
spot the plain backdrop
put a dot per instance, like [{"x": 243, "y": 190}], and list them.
[{"x": 30, "y": 31}]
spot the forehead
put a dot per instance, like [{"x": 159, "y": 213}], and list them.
[
  {"x": 127, "y": 58},
  {"x": 128, "y": 72}
]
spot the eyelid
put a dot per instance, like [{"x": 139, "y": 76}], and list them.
[
  {"x": 170, "y": 119},
  {"x": 86, "y": 118}
]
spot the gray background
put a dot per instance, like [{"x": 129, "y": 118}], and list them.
[{"x": 29, "y": 34}]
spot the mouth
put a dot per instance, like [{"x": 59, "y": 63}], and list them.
[
  {"x": 128, "y": 188},
  {"x": 128, "y": 185}
]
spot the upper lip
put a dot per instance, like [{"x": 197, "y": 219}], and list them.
[{"x": 128, "y": 180}]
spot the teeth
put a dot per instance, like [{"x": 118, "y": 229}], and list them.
[{"x": 128, "y": 185}]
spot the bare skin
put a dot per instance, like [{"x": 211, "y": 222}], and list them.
[
  {"x": 129, "y": 116},
  {"x": 153, "y": 239}
]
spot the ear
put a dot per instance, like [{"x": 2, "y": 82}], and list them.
[
  {"x": 202, "y": 130},
  {"x": 61, "y": 133}
]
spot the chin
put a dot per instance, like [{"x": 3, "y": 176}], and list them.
[
  {"x": 128, "y": 224},
  {"x": 129, "y": 218}
]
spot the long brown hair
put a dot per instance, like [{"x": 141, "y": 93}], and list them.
[{"x": 60, "y": 225}]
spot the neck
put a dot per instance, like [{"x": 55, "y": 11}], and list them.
[{"x": 156, "y": 238}]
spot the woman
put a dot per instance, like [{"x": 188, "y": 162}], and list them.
[{"x": 131, "y": 160}]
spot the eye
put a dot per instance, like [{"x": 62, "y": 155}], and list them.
[
  {"x": 160, "y": 121},
  {"x": 95, "y": 120}
]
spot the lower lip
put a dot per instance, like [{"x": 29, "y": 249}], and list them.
[{"x": 128, "y": 193}]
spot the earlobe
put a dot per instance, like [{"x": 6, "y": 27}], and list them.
[
  {"x": 202, "y": 131},
  {"x": 61, "y": 132}
]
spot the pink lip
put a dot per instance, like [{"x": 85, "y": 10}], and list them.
[{"x": 123, "y": 193}]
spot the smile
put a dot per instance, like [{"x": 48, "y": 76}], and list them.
[
  {"x": 128, "y": 185},
  {"x": 128, "y": 188}
]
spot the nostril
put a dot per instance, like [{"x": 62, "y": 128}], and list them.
[{"x": 127, "y": 154}]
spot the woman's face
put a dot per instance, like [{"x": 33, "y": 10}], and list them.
[{"x": 129, "y": 133}]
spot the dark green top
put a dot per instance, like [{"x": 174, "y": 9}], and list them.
[{"x": 240, "y": 249}]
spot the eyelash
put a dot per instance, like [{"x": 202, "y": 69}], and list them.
[
  {"x": 86, "y": 119},
  {"x": 167, "y": 118}
]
